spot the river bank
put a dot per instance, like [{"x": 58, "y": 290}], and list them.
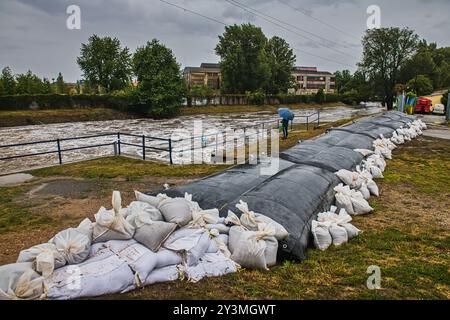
[{"x": 37, "y": 117}]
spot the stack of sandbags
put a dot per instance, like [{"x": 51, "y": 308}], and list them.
[
  {"x": 360, "y": 180},
  {"x": 375, "y": 165},
  {"x": 333, "y": 228},
  {"x": 397, "y": 139},
  {"x": 351, "y": 200},
  {"x": 382, "y": 148}
]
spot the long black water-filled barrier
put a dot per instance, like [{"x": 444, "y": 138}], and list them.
[{"x": 303, "y": 185}]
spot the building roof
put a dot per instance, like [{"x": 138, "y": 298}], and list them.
[
  {"x": 310, "y": 70},
  {"x": 204, "y": 67},
  {"x": 210, "y": 65}
]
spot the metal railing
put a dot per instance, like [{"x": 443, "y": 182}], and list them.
[{"x": 118, "y": 140}]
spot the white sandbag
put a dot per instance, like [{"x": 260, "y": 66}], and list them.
[
  {"x": 364, "y": 152},
  {"x": 153, "y": 201},
  {"x": 233, "y": 219},
  {"x": 376, "y": 172},
  {"x": 166, "y": 258},
  {"x": 150, "y": 233},
  {"x": 373, "y": 188},
  {"x": 93, "y": 277},
  {"x": 349, "y": 178},
  {"x": 256, "y": 249},
  {"x": 110, "y": 225},
  {"x": 321, "y": 234},
  {"x": 140, "y": 207},
  {"x": 176, "y": 210},
  {"x": 338, "y": 234},
  {"x": 364, "y": 191},
  {"x": 44, "y": 257},
  {"x": 20, "y": 281},
  {"x": 73, "y": 244},
  {"x": 343, "y": 198},
  {"x": 210, "y": 265},
  {"x": 351, "y": 230},
  {"x": 360, "y": 205},
  {"x": 234, "y": 236},
  {"x": 251, "y": 220},
  {"x": 191, "y": 247},
  {"x": 204, "y": 217},
  {"x": 218, "y": 226},
  {"x": 165, "y": 274},
  {"x": 87, "y": 227}
]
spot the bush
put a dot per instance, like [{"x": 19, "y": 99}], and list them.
[
  {"x": 444, "y": 99},
  {"x": 256, "y": 98}
]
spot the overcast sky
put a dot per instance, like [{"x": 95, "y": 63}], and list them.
[{"x": 33, "y": 33}]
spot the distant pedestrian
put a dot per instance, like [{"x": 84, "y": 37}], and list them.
[{"x": 285, "y": 124}]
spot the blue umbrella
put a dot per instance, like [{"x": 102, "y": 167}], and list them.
[{"x": 286, "y": 114}]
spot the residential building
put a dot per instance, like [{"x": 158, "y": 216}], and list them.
[
  {"x": 208, "y": 74},
  {"x": 309, "y": 80}
]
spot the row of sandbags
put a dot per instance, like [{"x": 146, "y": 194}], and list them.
[
  {"x": 357, "y": 187},
  {"x": 153, "y": 239}
]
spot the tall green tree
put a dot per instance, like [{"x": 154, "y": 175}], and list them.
[
  {"x": 342, "y": 79},
  {"x": 29, "y": 83},
  {"x": 421, "y": 85},
  {"x": 281, "y": 60},
  {"x": 9, "y": 82},
  {"x": 385, "y": 50},
  {"x": 105, "y": 63},
  {"x": 244, "y": 64},
  {"x": 60, "y": 86},
  {"x": 161, "y": 86}
]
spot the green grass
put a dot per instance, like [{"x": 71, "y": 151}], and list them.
[
  {"x": 14, "y": 216},
  {"x": 128, "y": 168}
]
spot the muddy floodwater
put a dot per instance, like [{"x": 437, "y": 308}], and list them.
[{"x": 180, "y": 129}]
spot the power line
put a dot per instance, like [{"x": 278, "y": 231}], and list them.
[
  {"x": 304, "y": 12},
  {"x": 262, "y": 16},
  {"x": 193, "y": 12},
  {"x": 225, "y": 24}
]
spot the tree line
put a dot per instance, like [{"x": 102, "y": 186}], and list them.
[{"x": 394, "y": 60}]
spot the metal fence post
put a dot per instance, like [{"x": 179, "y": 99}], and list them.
[
  {"x": 318, "y": 118},
  {"x": 170, "y": 151},
  {"x": 307, "y": 123},
  {"x": 115, "y": 148},
  {"x": 143, "y": 147},
  {"x": 59, "y": 151},
  {"x": 118, "y": 143}
]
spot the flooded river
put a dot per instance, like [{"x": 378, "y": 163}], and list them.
[{"x": 154, "y": 128}]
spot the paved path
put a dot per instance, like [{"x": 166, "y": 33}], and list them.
[
  {"x": 436, "y": 132},
  {"x": 14, "y": 179}
]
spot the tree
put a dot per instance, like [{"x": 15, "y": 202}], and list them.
[
  {"x": 29, "y": 83},
  {"x": 60, "y": 87},
  {"x": 281, "y": 60},
  {"x": 9, "y": 83},
  {"x": 421, "y": 85},
  {"x": 342, "y": 79},
  {"x": 244, "y": 65},
  {"x": 105, "y": 63},
  {"x": 46, "y": 86},
  {"x": 161, "y": 86},
  {"x": 319, "y": 97},
  {"x": 2, "y": 88},
  {"x": 385, "y": 50}
]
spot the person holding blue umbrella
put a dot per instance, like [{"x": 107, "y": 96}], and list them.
[{"x": 286, "y": 116}]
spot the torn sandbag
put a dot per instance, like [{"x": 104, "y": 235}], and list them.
[
  {"x": 292, "y": 198},
  {"x": 18, "y": 281}
]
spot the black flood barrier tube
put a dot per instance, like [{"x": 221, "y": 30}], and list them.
[
  {"x": 304, "y": 184},
  {"x": 331, "y": 158},
  {"x": 217, "y": 190},
  {"x": 293, "y": 197}
]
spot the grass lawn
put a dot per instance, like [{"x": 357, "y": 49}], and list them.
[{"x": 406, "y": 236}]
